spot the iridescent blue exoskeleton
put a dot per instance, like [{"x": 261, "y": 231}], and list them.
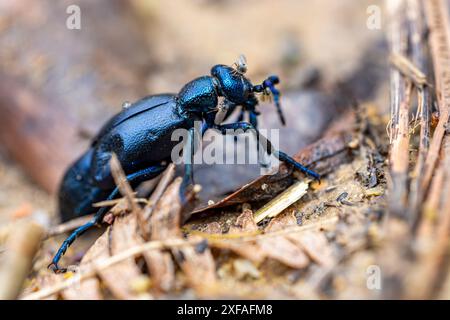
[{"x": 140, "y": 136}]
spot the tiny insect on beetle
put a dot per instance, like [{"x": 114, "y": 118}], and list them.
[{"x": 140, "y": 136}]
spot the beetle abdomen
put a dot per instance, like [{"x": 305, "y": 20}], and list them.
[{"x": 77, "y": 192}]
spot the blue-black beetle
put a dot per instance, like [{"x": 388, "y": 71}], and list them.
[{"x": 140, "y": 136}]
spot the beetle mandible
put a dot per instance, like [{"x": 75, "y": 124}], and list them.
[{"x": 140, "y": 136}]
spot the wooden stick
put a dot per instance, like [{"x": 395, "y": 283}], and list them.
[
  {"x": 127, "y": 192},
  {"x": 437, "y": 164},
  {"x": 68, "y": 226},
  {"x": 439, "y": 38},
  {"x": 399, "y": 159},
  {"x": 397, "y": 39},
  {"x": 122, "y": 183},
  {"x": 409, "y": 69},
  {"x": 167, "y": 177},
  {"x": 282, "y": 201},
  {"x": 20, "y": 250},
  {"x": 419, "y": 58},
  {"x": 400, "y": 100},
  {"x": 417, "y": 194},
  {"x": 435, "y": 263}
]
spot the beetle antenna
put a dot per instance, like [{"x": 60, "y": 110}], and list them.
[{"x": 270, "y": 83}]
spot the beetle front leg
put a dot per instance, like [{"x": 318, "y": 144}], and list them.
[
  {"x": 282, "y": 156},
  {"x": 136, "y": 177},
  {"x": 253, "y": 119},
  {"x": 285, "y": 158},
  {"x": 209, "y": 122},
  {"x": 241, "y": 115},
  {"x": 245, "y": 126}
]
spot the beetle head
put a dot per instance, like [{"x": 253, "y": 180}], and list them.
[{"x": 234, "y": 86}]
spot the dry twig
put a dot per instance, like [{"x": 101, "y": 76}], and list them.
[{"x": 21, "y": 247}]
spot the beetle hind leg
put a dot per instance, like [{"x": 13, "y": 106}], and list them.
[
  {"x": 136, "y": 177},
  {"x": 66, "y": 244}
]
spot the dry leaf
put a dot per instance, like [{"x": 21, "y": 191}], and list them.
[
  {"x": 161, "y": 269},
  {"x": 284, "y": 251},
  {"x": 89, "y": 289},
  {"x": 124, "y": 236},
  {"x": 282, "y": 221},
  {"x": 315, "y": 245},
  {"x": 198, "y": 266},
  {"x": 164, "y": 223}
]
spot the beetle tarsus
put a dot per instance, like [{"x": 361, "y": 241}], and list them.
[
  {"x": 66, "y": 244},
  {"x": 56, "y": 269},
  {"x": 285, "y": 158}
]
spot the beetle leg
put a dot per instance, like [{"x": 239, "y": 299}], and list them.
[
  {"x": 209, "y": 122},
  {"x": 285, "y": 158},
  {"x": 253, "y": 119},
  {"x": 245, "y": 126},
  {"x": 204, "y": 128},
  {"x": 188, "y": 154},
  {"x": 136, "y": 177},
  {"x": 250, "y": 106},
  {"x": 66, "y": 244},
  {"x": 241, "y": 115}
]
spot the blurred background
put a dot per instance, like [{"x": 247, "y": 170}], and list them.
[{"x": 59, "y": 85}]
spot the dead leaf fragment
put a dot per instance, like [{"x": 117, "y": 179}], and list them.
[
  {"x": 284, "y": 251},
  {"x": 124, "y": 236},
  {"x": 315, "y": 245}
]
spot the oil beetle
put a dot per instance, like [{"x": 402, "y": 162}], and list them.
[{"x": 140, "y": 136}]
